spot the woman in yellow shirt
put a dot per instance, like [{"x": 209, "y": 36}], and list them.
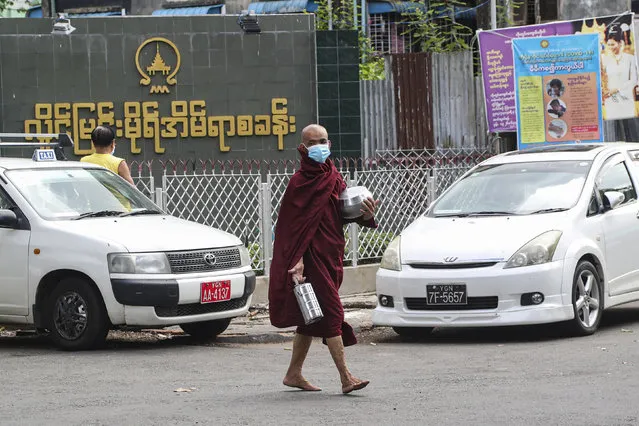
[{"x": 103, "y": 140}]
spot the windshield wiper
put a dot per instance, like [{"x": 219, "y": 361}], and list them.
[
  {"x": 100, "y": 213},
  {"x": 481, "y": 213},
  {"x": 553, "y": 210},
  {"x": 139, "y": 212},
  {"x": 490, "y": 213}
]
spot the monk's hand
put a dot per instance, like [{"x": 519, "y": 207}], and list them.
[
  {"x": 368, "y": 208},
  {"x": 298, "y": 272}
]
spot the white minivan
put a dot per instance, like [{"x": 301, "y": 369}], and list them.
[{"x": 82, "y": 252}]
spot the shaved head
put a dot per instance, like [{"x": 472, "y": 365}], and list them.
[{"x": 314, "y": 134}]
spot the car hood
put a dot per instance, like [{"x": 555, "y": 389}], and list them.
[
  {"x": 475, "y": 239},
  {"x": 151, "y": 233}
]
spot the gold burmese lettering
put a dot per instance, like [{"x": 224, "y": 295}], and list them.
[
  {"x": 282, "y": 123},
  {"x": 198, "y": 125},
  {"x": 133, "y": 125},
  {"x": 138, "y": 121},
  {"x": 151, "y": 125}
]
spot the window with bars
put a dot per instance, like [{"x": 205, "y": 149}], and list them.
[{"x": 389, "y": 33}]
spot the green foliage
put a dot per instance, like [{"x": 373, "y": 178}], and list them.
[
  {"x": 505, "y": 11},
  {"x": 255, "y": 253},
  {"x": 436, "y": 30},
  {"x": 368, "y": 240},
  {"x": 344, "y": 16},
  {"x": 5, "y": 4}
]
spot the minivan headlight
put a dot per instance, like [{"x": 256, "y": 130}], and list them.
[
  {"x": 138, "y": 263},
  {"x": 245, "y": 257},
  {"x": 391, "y": 259},
  {"x": 539, "y": 250}
]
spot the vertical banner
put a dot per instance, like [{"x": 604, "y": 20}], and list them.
[
  {"x": 616, "y": 47},
  {"x": 558, "y": 94}
]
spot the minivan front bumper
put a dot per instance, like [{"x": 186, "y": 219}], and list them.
[{"x": 163, "y": 302}]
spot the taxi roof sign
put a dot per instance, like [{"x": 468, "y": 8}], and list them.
[
  {"x": 56, "y": 148},
  {"x": 44, "y": 155}
]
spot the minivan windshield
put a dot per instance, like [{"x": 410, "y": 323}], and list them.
[
  {"x": 515, "y": 189},
  {"x": 76, "y": 193}
]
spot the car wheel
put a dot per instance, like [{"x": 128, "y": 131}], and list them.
[
  {"x": 587, "y": 300},
  {"x": 76, "y": 317},
  {"x": 413, "y": 331},
  {"x": 206, "y": 330}
]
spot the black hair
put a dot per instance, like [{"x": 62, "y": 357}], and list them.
[
  {"x": 614, "y": 32},
  {"x": 554, "y": 102},
  {"x": 555, "y": 82},
  {"x": 102, "y": 136}
]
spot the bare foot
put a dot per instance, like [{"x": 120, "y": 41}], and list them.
[
  {"x": 300, "y": 383},
  {"x": 353, "y": 385}
]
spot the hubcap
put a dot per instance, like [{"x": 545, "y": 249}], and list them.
[
  {"x": 587, "y": 299},
  {"x": 70, "y": 315}
]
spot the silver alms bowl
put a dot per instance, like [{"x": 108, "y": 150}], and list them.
[{"x": 351, "y": 201}]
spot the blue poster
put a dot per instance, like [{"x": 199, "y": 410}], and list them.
[{"x": 558, "y": 90}]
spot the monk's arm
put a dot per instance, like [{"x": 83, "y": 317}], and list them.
[{"x": 368, "y": 223}]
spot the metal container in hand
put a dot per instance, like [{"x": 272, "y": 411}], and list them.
[
  {"x": 352, "y": 201},
  {"x": 308, "y": 303}
]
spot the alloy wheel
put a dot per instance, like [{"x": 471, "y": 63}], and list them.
[
  {"x": 587, "y": 298},
  {"x": 70, "y": 315}
]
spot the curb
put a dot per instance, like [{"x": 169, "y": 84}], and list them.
[{"x": 283, "y": 336}]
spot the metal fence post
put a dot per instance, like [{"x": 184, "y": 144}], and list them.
[
  {"x": 354, "y": 232},
  {"x": 432, "y": 186},
  {"x": 163, "y": 193},
  {"x": 151, "y": 184},
  {"x": 266, "y": 223},
  {"x": 159, "y": 198}
]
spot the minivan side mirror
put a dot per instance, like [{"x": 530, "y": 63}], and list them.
[
  {"x": 8, "y": 219},
  {"x": 613, "y": 199}
]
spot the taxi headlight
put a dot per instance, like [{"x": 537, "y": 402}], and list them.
[
  {"x": 139, "y": 263},
  {"x": 245, "y": 257},
  {"x": 391, "y": 259},
  {"x": 539, "y": 250}
]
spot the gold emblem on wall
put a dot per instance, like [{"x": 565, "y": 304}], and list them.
[{"x": 158, "y": 66}]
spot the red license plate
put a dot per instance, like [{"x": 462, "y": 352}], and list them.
[{"x": 216, "y": 291}]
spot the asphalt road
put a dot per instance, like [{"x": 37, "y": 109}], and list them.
[{"x": 508, "y": 376}]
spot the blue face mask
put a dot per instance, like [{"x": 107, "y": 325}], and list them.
[
  {"x": 319, "y": 152},
  {"x": 113, "y": 152}
]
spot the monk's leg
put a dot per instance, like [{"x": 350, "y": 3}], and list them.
[
  {"x": 294, "y": 378},
  {"x": 349, "y": 382}
]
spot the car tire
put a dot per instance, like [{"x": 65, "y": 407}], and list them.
[
  {"x": 587, "y": 300},
  {"x": 76, "y": 317},
  {"x": 206, "y": 330},
  {"x": 413, "y": 332}
]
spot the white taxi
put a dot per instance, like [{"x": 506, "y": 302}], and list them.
[
  {"x": 528, "y": 237},
  {"x": 82, "y": 252}
]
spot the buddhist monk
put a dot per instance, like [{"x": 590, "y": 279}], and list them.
[{"x": 309, "y": 243}]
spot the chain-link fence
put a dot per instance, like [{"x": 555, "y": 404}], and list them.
[
  {"x": 246, "y": 201},
  {"x": 227, "y": 202}
]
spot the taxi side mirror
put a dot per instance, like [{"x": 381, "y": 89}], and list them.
[
  {"x": 613, "y": 199},
  {"x": 8, "y": 219}
]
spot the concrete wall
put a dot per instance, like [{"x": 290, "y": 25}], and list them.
[
  {"x": 360, "y": 279},
  {"x": 235, "y": 95},
  {"x": 578, "y": 9}
]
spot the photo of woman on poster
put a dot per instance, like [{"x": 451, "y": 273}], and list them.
[{"x": 619, "y": 74}]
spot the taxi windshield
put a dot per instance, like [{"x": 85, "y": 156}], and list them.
[{"x": 75, "y": 193}]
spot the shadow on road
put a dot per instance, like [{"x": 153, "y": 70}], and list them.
[
  {"x": 130, "y": 342},
  {"x": 619, "y": 317}
]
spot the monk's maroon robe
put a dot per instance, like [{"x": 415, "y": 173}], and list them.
[{"x": 310, "y": 225}]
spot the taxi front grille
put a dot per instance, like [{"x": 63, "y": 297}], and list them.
[
  {"x": 199, "y": 308},
  {"x": 474, "y": 303},
  {"x": 194, "y": 260}
]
